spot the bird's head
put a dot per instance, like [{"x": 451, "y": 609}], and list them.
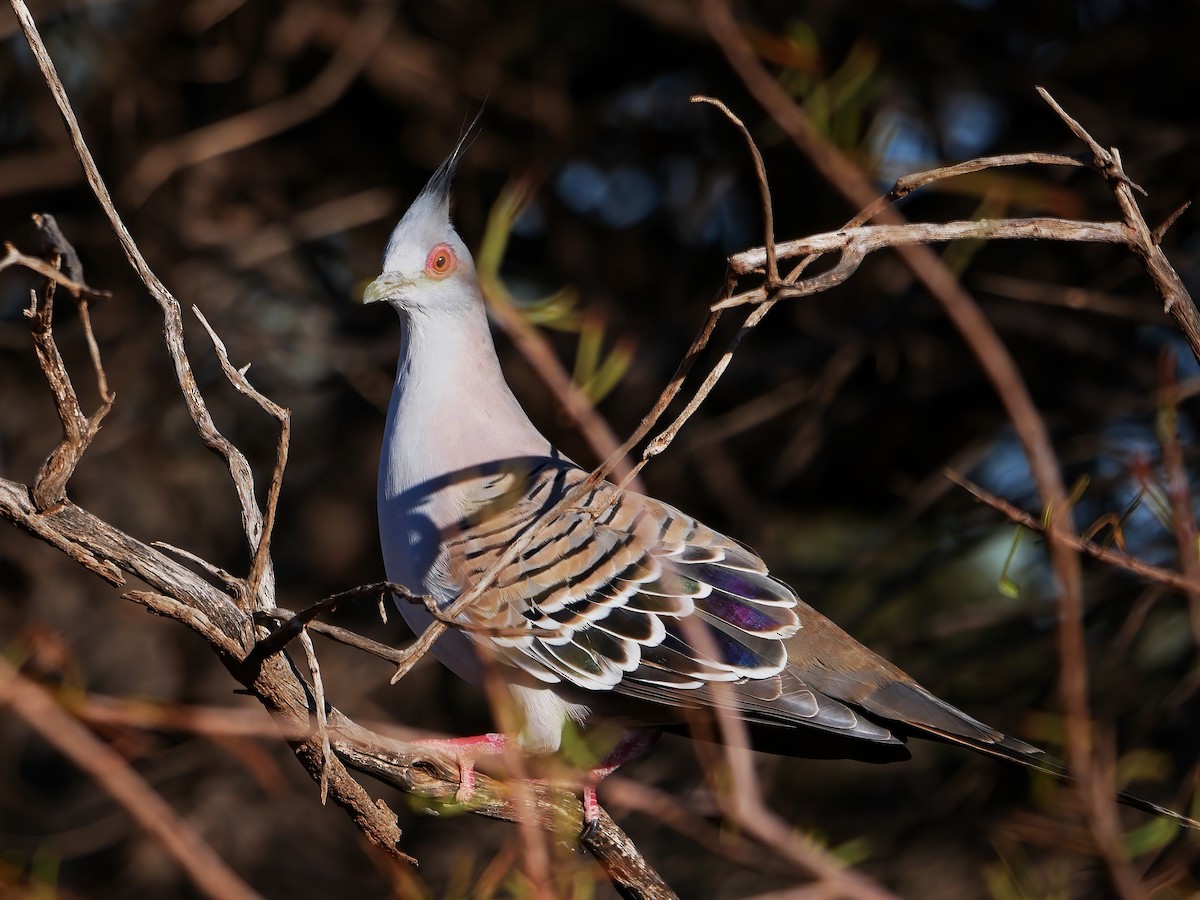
[{"x": 427, "y": 266}]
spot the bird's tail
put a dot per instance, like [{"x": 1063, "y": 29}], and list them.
[{"x": 1013, "y": 750}]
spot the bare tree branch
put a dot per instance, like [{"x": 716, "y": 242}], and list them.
[{"x": 239, "y": 467}]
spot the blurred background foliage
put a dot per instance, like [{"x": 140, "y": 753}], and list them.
[{"x": 261, "y": 151}]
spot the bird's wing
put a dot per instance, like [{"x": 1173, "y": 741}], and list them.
[{"x": 626, "y": 594}]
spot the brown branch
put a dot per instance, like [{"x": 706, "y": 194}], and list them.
[
  {"x": 237, "y": 377},
  {"x": 1179, "y": 495},
  {"x": 629, "y": 795},
  {"x": 14, "y": 257},
  {"x": 295, "y": 623},
  {"x": 108, "y": 769},
  {"x": 1068, "y": 296},
  {"x": 1177, "y": 302},
  {"x": 1184, "y": 584},
  {"x": 741, "y": 796},
  {"x": 764, "y": 188},
  {"x": 906, "y": 184},
  {"x": 868, "y": 239},
  {"x": 416, "y": 770},
  {"x": 180, "y": 594},
  {"x": 540, "y": 354},
  {"x": 78, "y": 429}
]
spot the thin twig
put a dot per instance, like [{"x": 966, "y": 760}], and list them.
[
  {"x": 78, "y": 429},
  {"x": 14, "y": 257},
  {"x": 906, "y": 184},
  {"x": 1103, "y": 553},
  {"x": 764, "y": 187},
  {"x": 322, "y": 721},
  {"x": 870, "y": 238},
  {"x": 237, "y": 377},
  {"x": 1177, "y": 302},
  {"x": 56, "y": 240}
]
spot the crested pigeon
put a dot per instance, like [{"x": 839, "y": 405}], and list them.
[{"x": 597, "y": 615}]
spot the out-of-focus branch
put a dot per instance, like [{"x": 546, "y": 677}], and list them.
[
  {"x": 244, "y": 129},
  {"x": 533, "y": 345},
  {"x": 1185, "y": 584},
  {"x": 1179, "y": 494},
  {"x": 108, "y": 769}
]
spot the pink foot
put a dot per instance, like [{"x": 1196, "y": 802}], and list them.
[
  {"x": 466, "y": 751},
  {"x": 629, "y": 747}
]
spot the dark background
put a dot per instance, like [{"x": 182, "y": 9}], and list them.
[{"x": 641, "y": 196}]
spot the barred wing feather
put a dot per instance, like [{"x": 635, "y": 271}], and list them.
[{"x": 609, "y": 597}]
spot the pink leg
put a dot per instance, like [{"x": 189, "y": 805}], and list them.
[
  {"x": 630, "y": 747},
  {"x": 466, "y": 750}
]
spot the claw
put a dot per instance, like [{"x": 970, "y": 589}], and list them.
[
  {"x": 589, "y": 825},
  {"x": 591, "y": 808}
]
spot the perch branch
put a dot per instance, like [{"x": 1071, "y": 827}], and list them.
[{"x": 182, "y": 595}]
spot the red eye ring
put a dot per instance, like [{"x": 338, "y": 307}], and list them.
[{"x": 441, "y": 261}]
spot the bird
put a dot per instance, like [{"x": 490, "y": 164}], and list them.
[{"x": 621, "y": 608}]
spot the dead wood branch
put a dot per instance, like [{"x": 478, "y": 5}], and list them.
[{"x": 239, "y": 467}]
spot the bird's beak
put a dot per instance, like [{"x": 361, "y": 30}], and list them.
[{"x": 385, "y": 286}]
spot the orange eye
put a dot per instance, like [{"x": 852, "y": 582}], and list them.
[{"x": 440, "y": 261}]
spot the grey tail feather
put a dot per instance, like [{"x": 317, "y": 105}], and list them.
[
  {"x": 441, "y": 182},
  {"x": 1031, "y": 757}
]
